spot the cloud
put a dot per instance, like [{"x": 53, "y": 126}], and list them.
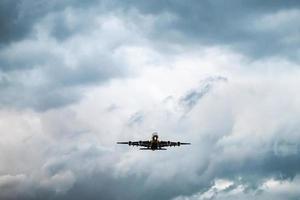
[
  {"x": 230, "y": 24},
  {"x": 43, "y": 73},
  {"x": 45, "y": 43},
  {"x": 271, "y": 189},
  {"x": 75, "y": 77},
  {"x": 241, "y": 26},
  {"x": 235, "y": 131},
  {"x": 192, "y": 97},
  {"x": 18, "y": 18}
]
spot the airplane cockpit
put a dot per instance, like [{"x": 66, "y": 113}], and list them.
[{"x": 154, "y": 136}]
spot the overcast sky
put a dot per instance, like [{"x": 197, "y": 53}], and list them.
[{"x": 78, "y": 76}]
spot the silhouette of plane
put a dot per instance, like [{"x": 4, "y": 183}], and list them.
[{"x": 154, "y": 143}]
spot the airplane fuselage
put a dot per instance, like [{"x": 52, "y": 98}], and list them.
[{"x": 154, "y": 145}]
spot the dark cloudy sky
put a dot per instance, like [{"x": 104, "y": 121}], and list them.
[{"x": 77, "y": 76}]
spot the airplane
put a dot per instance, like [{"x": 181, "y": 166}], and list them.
[{"x": 154, "y": 143}]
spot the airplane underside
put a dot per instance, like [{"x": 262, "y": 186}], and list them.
[{"x": 153, "y": 149}]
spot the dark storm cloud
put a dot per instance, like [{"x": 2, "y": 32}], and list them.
[
  {"x": 225, "y": 23},
  {"x": 34, "y": 71},
  {"x": 252, "y": 171},
  {"x": 205, "y": 22},
  {"x": 18, "y": 17},
  {"x": 10, "y": 27}
]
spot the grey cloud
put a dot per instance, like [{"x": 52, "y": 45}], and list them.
[
  {"x": 17, "y": 17},
  {"x": 9, "y": 23},
  {"x": 41, "y": 73},
  {"x": 105, "y": 185},
  {"x": 136, "y": 118},
  {"x": 11, "y": 182},
  {"x": 192, "y": 97},
  {"x": 254, "y": 171},
  {"x": 207, "y": 22},
  {"x": 53, "y": 86},
  {"x": 223, "y": 23}
]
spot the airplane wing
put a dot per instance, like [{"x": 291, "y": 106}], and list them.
[
  {"x": 170, "y": 144},
  {"x": 136, "y": 143}
]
